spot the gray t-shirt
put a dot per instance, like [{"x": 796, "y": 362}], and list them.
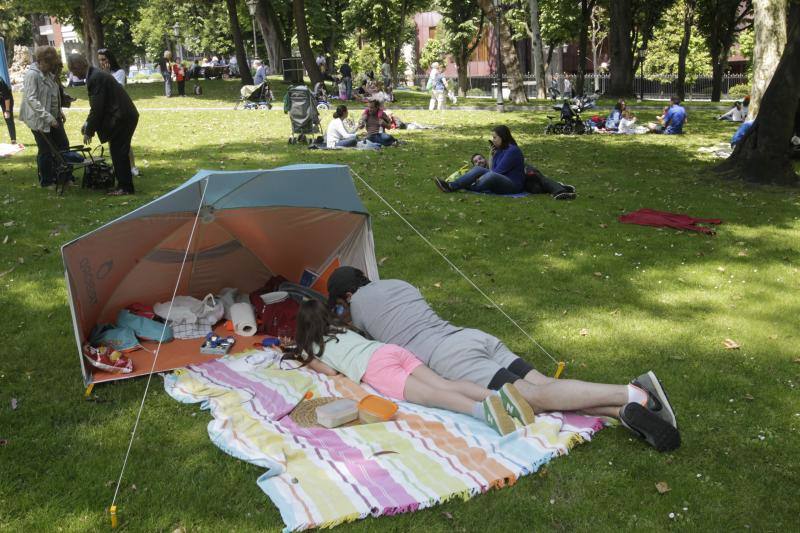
[{"x": 394, "y": 312}]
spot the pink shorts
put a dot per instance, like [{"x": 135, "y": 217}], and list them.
[{"x": 389, "y": 368}]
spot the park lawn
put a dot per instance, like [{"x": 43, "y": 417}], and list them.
[{"x": 645, "y": 298}]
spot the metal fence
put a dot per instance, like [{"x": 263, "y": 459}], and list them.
[{"x": 655, "y": 87}]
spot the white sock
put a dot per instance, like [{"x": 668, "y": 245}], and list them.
[
  {"x": 637, "y": 395},
  {"x": 477, "y": 411}
]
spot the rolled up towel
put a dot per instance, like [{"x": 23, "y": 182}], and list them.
[{"x": 244, "y": 319}]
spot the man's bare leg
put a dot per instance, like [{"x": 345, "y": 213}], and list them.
[{"x": 572, "y": 395}]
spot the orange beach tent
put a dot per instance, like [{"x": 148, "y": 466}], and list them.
[{"x": 245, "y": 227}]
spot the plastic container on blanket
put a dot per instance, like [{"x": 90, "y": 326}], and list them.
[
  {"x": 372, "y": 409},
  {"x": 336, "y": 413}
]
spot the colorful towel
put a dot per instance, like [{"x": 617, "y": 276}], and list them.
[{"x": 320, "y": 477}]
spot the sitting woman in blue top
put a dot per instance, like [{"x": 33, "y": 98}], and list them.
[
  {"x": 612, "y": 122},
  {"x": 507, "y": 175}
]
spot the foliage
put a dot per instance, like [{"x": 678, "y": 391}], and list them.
[
  {"x": 739, "y": 91},
  {"x": 747, "y": 42},
  {"x": 461, "y": 22},
  {"x": 559, "y": 21},
  {"x": 386, "y": 25},
  {"x": 15, "y": 27},
  {"x": 433, "y": 51},
  {"x": 662, "y": 58},
  {"x": 476, "y": 92},
  {"x": 362, "y": 59}
]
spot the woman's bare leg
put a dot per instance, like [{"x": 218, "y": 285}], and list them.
[
  {"x": 419, "y": 392},
  {"x": 467, "y": 388}
]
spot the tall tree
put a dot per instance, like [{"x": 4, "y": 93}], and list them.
[
  {"x": 537, "y": 50},
  {"x": 463, "y": 22},
  {"x": 238, "y": 43},
  {"x": 516, "y": 85},
  {"x": 621, "y": 44},
  {"x": 769, "y": 27},
  {"x": 762, "y": 156},
  {"x": 276, "y": 23},
  {"x": 304, "y": 43},
  {"x": 583, "y": 42},
  {"x": 720, "y": 20},
  {"x": 683, "y": 49},
  {"x": 92, "y": 29}
]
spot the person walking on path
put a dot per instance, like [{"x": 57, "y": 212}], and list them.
[
  {"x": 165, "y": 69},
  {"x": 112, "y": 116}
]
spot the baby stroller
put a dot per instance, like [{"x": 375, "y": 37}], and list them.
[
  {"x": 301, "y": 106},
  {"x": 321, "y": 95},
  {"x": 255, "y": 96},
  {"x": 571, "y": 121}
]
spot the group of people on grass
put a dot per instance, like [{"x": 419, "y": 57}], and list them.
[
  {"x": 112, "y": 115},
  {"x": 385, "y": 334},
  {"x": 669, "y": 122},
  {"x": 374, "y": 119}
]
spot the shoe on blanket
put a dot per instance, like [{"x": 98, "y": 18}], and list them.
[
  {"x": 657, "y": 399},
  {"x": 442, "y": 185},
  {"x": 515, "y": 405},
  {"x": 648, "y": 425},
  {"x": 496, "y": 416}
]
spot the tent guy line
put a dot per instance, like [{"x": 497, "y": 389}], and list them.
[
  {"x": 113, "y": 506},
  {"x": 559, "y": 364}
]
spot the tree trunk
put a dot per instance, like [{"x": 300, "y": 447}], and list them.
[
  {"x": 303, "y": 42},
  {"x": 683, "y": 50},
  {"x": 583, "y": 43},
  {"x": 93, "y": 37},
  {"x": 718, "y": 64},
  {"x": 763, "y": 155},
  {"x": 537, "y": 50},
  {"x": 769, "y": 25},
  {"x": 270, "y": 29},
  {"x": 462, "y": 60},
  {"x": 238, "y": 42},
  {"x": 510, "y": 60},
  {"x": 621, "y": 83},
  {"x": 394, "y": 57}
]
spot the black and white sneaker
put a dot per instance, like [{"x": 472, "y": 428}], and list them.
[
  {"x": 648, "y": 425},
  {"x": 442, "y": 185},
  {"x": 657, "y": 399},
  {"x": 569, "y": 188},
  {"x": 565, "y": 196}
]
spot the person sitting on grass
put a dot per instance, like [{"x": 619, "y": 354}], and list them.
[
  {"x": 612, "y": 122},
  {"x": 627, "y": 124},
  {"x": 337, "y": 135},
  {"x": 330, "y": 346},
  {"x": 741, "y": 132},
  {"x": 734, "y": 114},
  {"x": 375, "y": 119},
  {"x": 672, "y": 120},
  {"x": 507, "y": 175},
  {"x": 395, "y": 312}
]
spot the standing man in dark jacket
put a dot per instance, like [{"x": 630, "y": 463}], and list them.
[
  {"x": 7, "y": 104},
  {"x": 112, "y": 115},
  {"x": 347, "y": 77}
]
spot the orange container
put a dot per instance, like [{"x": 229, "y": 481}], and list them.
[{"x": 373, "y": 409}]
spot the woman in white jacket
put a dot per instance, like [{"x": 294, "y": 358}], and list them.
[
  {"x": 40, "y": 110},
  {"x": 337, "y": 135}
]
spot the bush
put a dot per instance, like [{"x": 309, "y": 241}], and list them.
[
  {"x": 476, "y": 92},
  {"x": 140, "y": 76},
  {"x": 739, "y": 91}
]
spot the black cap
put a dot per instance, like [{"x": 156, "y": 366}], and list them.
[{"x": 343, "y": 280}]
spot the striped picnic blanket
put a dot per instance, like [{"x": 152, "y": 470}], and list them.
[{"x": 321, "y": 477}]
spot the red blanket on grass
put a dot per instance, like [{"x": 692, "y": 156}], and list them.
[{"x": 662, "y": 219}]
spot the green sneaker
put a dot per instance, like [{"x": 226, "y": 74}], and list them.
[
  {"x": 496, "y": 417},
  {"x": 515, "y": 405}
]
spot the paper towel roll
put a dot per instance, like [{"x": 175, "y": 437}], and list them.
[{"x": 244, "y": 319}]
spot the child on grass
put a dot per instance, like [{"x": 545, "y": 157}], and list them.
[{"x": 330, "y": 347}]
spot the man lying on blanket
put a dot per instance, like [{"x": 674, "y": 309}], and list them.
[{"x": 394, "y": 312}]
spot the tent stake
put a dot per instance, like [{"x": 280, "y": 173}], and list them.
[
  {"x": 560, "y": 369},
  {"x": 113, "y": 511},
  {"x": 88, "y": 390}
]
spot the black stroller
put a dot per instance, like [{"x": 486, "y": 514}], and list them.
[
  {"x": 97, "y": 174},
  {"x": 570, "y": 122},
  {"x": 255, "y": 96},
  {"x": 301, "y": 106}
]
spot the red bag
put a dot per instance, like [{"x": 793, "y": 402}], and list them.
[
  {"x": 277, "y": 319},
  {"x": 143, "y": 310}
]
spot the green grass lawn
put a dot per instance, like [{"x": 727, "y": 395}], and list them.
[{"x": 649, "y": 299}]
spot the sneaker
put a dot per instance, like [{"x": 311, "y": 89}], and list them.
[
  {"x": 565, "y": 196},
  {"x": 648, "y": 425},
  {"x": 657, "y": 399},
  {"x": 496, "y": 417},
  {"x": 442, "y": 185},
  {"x": 515, "y": 405},
  {"x": 569, "y": 188}
]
